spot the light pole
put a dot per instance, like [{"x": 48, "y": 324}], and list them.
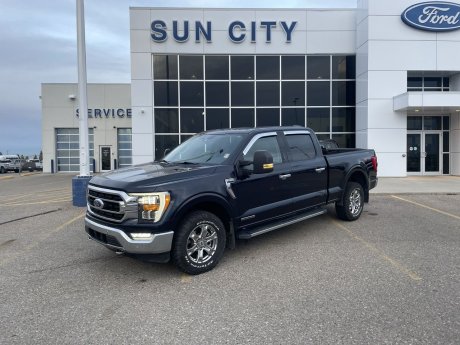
[{"x": 80, "y": 182}]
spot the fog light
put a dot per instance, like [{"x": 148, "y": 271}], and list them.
[{"x": 141, "y": 236}]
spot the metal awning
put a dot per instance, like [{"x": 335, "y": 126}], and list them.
[{"x": 432, "y": 102}]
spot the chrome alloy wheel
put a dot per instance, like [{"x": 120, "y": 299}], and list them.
[
  {"x": 355, "y": 202},
  {"x": 202, "y": 243}
]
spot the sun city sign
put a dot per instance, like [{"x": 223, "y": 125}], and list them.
[
  {"x": 433, "y": 16},
  {"x": 238, "y": 31}
]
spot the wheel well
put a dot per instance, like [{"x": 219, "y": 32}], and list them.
[
  {"x": 360, "y": 178},
  {"x": 220, "y": 212}
]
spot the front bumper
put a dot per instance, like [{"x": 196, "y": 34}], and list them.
[{"x": 115, "y": 239}]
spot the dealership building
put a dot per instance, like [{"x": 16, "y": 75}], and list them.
[{"x": 384, "y": 75}]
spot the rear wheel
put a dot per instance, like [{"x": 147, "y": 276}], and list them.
[
  {"x": 2, "y": 170},
  {"x": 353, "y": 202},
  {"x": 199, "y": 243}
]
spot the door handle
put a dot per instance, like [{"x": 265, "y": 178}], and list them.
[
  {"x": 320, "y": 170},
  {"x": 284, "y": 176}
]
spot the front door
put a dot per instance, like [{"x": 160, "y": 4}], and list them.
[
  {"x": 424, "y": 153},
  {"x": 105, "y": 158}
]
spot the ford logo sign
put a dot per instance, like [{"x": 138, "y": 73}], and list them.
[
  {"x": 433, "y": 16},
  {"x": 98, "y": 203}
]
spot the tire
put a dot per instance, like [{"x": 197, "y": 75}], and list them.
[
  {"x": 2, "y": 170},
  {"x": 353, "y": 202},
  {"x": 191, "y": 252},
  {"x": 16, "y": 170}
]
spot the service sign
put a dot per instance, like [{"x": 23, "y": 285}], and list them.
[{"x": 433, "y": 16}]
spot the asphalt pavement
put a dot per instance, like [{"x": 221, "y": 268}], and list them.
[{"x": 392, "y": 277}]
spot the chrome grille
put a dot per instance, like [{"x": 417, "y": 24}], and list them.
[{"x": 116, "y": 205}]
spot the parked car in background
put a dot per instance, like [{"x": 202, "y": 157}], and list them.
[
  {"x": 38, "y": 164},
  {"x": 30, "y": 165},
  {"x": 4, "y": 166},
  {"x": 16, "y": 165}
]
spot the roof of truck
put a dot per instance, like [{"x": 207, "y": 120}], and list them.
[{"x": 258, "y": 129}]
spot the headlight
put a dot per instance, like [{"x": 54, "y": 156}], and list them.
[{"x": 152, "y": 205}]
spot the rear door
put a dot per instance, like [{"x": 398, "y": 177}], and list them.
[
  {"x": 308, "y": 171},
  {"x": 262, "y": 197}
]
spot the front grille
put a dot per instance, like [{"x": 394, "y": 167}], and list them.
[
  {"x": 112, "y": 208},
  {"x": 107, "y": 239}
]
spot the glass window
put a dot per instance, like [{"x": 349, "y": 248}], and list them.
[
  {"x": 217, "y": 93},
  {"x": 165, "y": 93},
  {"x": 445, "y": 123},
  {"x": 445, "y": 163},
  {"x": 185, "y": 137},
  {"x": 445, "y": 142},
  {"x": 318, "y": 67},
  {"x": 432, "y": 122},
  {"x": 242, "y": 67},
  {"x": 343, "y": 119},
  {"x": 269, "y": 144},
  {"x": 164, "y": 142},
  {"x": 318, "y": 119},
  {"x": 191, "y": 120},
  {"x": 217, "y": 118},
  {"x": 293, "y": 116},
  {"x": 268, "y": 93},
  {"x": 343, "y": 93},
  {"x": 293, "y": 93},
  {"x": 414, "y": 82},
  {"x": 166, "y": 121},
  {"x": 293, "y": 67},
  {"x": 300, "y": 146},
  {"x": 414, "y": 123},
  {"x": 216, "y": 67},
  {"x": 191, "y": 67},
  {"x": 344, "y": 140},
  {"x": 432, "y": 82},
  {"x": 242, "y": 93},
  {"x": 165, "y": 66},
  {"x": 318, "y": 93},
  {"x": 268, "y": 117},
  {"x": 191, "y": 94},
  {"x": 268, "y": 67},
  {"x": 242, "y": 117},
  {"x": 343, "y": 67}
]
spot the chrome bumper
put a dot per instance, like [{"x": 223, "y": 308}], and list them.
[{"x": 160, "y": 243}]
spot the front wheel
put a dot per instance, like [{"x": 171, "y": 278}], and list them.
[
  {"x": 353, "y": 202},
  {"x": 199, "y": 243}
]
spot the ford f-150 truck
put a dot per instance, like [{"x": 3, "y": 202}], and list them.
[{"x": 224, "y": 185}]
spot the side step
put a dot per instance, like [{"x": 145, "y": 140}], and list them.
[{"x": 250, "y": 233}]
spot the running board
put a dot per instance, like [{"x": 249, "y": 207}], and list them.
[{"x": 250, "y": 233}]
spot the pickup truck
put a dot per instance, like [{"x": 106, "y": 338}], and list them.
[
  {"x": 4, "y": 166},
  {"x": 224, "y": 185}
]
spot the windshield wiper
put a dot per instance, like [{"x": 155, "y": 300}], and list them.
[{"x": 185, "y": 162}]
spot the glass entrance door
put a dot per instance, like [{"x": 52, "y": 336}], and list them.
[
  {"x": 424, "y": 153},
  {"x": 105, "y": 158}
]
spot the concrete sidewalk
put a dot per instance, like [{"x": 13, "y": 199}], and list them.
[{"x": 418, "y": 185}]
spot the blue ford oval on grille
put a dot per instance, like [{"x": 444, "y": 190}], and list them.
[{"x": 433, "y": 16}]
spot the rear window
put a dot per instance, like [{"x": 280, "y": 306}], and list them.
[{"x": 301, "y": 147}]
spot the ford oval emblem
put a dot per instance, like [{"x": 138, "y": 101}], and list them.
[
  {"x": 433, "y": 16},
  {"x": 98, "y": 203}
]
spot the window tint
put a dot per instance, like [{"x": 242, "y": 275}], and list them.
[
  {"x": 217, "y": 93},
  {"x": 293, "y": 67},
  {"x": 217, "y": 118},
  {"x": 191, "y": 67},
  {"x": 165, "y": 93},
  {"x": 343, "y": 67},
  {"x": 242, "y": 67},
  {"x": 268, "y": 67},
  {"x": 318, "y": 67},
  {"x": 165, "y": 66},
  {"x": 242, "y": 93},
  {"x": 217, "y": 67},
  {"x": 269, "y": 144},
  {"x": 191, "y": 94},
  {"x": 300, "y": 147}
]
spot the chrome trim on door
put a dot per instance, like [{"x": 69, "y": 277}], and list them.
[
  {"x": 320, "y": 170},
  {"x": 284, "y": 176},
  {"x": 254, "y": 139}
]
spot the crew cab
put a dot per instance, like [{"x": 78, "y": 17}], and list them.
[{"x": 224, "y": 185}]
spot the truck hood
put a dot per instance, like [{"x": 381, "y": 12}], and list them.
[{"x": 147, "y": 177}]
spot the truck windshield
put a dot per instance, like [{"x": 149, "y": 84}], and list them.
[{"x": 205, "y": 148}]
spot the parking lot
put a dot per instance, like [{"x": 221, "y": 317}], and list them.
[{"x": 392, "y": 277}]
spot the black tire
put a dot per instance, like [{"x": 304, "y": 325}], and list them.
[
  {"x": 31, "y": 169},
  {"x": 16, "y": 170},
  {"x": 353, "y": 202},
  {"x": 188, "y": 243},
  {"x": 2, "y": 170}
]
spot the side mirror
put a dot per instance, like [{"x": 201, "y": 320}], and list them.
[
  {"x": 263, "y": 162},
  {"x": 241, "y": 171}
]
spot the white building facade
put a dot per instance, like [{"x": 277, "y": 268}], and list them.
[
  {"x": 109, "y": 122},
  {"x": 367, "y": 79},
  {"x": 385, "y": 75}
]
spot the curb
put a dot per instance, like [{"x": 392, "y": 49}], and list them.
[{"x": 6, "y": 177}]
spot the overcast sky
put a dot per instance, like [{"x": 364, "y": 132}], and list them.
[{"x": 38, "y": 45}]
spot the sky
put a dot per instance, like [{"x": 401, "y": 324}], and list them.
[{"x": 38, "y": 45}]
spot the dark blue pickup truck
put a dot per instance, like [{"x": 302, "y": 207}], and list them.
[{"x": 224, "y": 185}]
